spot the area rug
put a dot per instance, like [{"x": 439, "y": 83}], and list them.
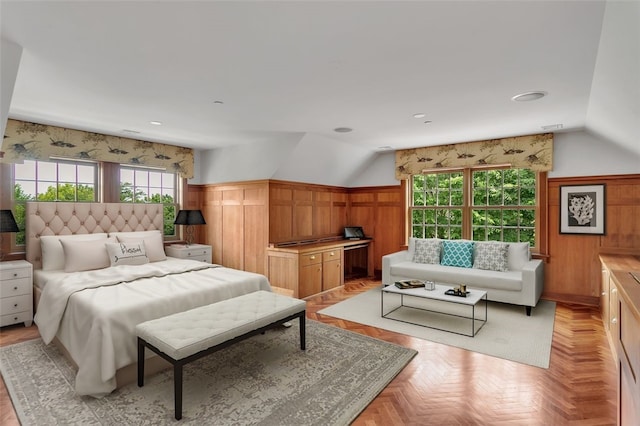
[
  {"x": 508, "y": 333},
  {"x": 264, "y": 380}
]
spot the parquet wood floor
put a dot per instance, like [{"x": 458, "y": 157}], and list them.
[{"x": 444, "y": 385}]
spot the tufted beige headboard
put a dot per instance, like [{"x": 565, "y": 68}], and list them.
[{"x": 61, "y": 218}]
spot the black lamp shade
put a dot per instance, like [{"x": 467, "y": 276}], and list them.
[
  {"x": 7, "y": 222},
  {"x": 189, "y": 217}
]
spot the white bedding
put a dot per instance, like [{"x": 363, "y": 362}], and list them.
[{"x": 94, "y": 313}]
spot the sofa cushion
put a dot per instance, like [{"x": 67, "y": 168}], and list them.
[
  {"x": 519, "y": 255},
  {"x": 481, "y": 278},
  {"x": 457, "y": 253},
  {"x": 491, "y": 255},
  {"x": 427, "y": 250}
]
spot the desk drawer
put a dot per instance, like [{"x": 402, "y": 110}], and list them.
[
  {"x": 15, "y": 287},
  {"x": 331, "y": 255},
  {"x": 310, "y": 259}
]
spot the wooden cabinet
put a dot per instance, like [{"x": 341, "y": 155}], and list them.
[
  {"x": 622, "y": 323},
  {"x": 16, "y": 293},
  {"x": 308, "y": 269}
]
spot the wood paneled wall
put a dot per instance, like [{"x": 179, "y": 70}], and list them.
[
  {"x": 244, "y": 218},
  {"x": 573, "y": 271},
  {"x": 381, "y": 212}
]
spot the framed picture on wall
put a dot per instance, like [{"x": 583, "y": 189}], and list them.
[{"x": 582, "y": 209}]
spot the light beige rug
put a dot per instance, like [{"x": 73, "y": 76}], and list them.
[
  {"x": 508, "y": 333},
  {"x": 264, "y": 380}
]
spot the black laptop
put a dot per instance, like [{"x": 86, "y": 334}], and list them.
[{"x": 353, "y": 233}]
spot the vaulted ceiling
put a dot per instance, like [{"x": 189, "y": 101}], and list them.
[{"x": 218, "y": 74}]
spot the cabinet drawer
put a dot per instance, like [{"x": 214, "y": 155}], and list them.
[
  {"x": 15, "y": 273},
  {"x": 12, "y": 305},
  {"x": 15, "y": 287},
  {"x": 310, "y": 259},
  {"x": 330, "y": 255},
  {"x": 15, "y": 318},
  {"x": 197, "y": 252},
  {"x": 201, "y": 258}
]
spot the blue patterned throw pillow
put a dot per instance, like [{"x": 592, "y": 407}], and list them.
[{"x": 457, "y": 253}]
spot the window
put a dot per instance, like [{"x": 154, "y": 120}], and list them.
[
  {"x": 51, "y": 181},
  {"x": 481, "y": 205},
  {"x": 143, "y": 185}
]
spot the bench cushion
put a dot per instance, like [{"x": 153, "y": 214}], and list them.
[{"x": 185, "y": 333}]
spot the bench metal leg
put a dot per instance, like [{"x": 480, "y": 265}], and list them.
[
  {"x": 140, "y": 362},
  {"x": 177, "y": 389},
  {"x": 303, "y": 332}
]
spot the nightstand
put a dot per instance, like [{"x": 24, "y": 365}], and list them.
[
  {"x": 199, "y": 252},
  {"x": 16, "y": 292}
]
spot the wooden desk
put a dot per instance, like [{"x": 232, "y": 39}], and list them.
[{"x": 308, "y": 269}]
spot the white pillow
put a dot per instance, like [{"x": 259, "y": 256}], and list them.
[
  {"x": 152, "y": 242},
  {"x": 519, "y": 254},
  {"x": 52, "y": 252},
  {"x": 127, "y": 253},
  {"x": 85, "y": 255}
]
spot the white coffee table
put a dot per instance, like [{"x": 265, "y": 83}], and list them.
[{"x": 440, "y": 300}]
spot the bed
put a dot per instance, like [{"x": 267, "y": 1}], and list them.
[{"x": 99, "y": 270}]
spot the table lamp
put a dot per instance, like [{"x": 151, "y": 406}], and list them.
[
  {"x": 189, "y": 218},
  {"x": 7, "y": 224}
]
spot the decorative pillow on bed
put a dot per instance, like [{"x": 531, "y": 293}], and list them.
[
  {"x": 457, "y": 253},
  {"x": 127, "y": 253},
  {"x": 53, "y": 253},
  {"x": 153, "y": 243},
  {"x": 85, "y": 255},
  {"x": 427, "y": 250},
  {"x": 491, "y": 256}
]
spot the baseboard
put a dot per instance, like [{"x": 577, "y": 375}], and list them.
[{"x": 572, "y": 299}]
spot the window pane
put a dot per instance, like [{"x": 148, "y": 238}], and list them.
[
  {"x": 66, "y": 172},
  {"x": 25, "y": 190},
  {"x": 86, "y": 193},
  {"x": 418, "y": 199},
  {"x": 25, "y": 171},
  {"x": 46, "y": 171},
  {"x": 141, "y": 178},
  {"x": 443, "y": 198},
  {"x": 155, "y": 179},
  {"x": 511, "y": 197},
  {"x": 66, "y": 192},
  {"x": 126, "y": 175},
  {"x": 86, "y": 174}
]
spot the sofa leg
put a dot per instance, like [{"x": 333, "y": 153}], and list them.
[{"x": 528, "y": 310}]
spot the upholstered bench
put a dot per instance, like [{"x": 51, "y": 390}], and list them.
[{"x": 186, "y": 336}]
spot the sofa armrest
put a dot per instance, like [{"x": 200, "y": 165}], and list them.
[
  {"x": 532, "y": 281},
  {"x": 390, "y": 259}
]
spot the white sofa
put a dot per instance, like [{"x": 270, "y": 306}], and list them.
[{"x": 521, "y": 283}]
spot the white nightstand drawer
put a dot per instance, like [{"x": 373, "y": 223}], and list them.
[
  {"x": 17, "y": 287},
  {"x": 199, "y": 252},
  {"x": 11, "y": 305},
  {"x": 14, "y": 273},
  {"x": 15, "y": 318}
]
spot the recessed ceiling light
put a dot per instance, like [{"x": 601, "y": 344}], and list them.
[
  {"x": 529, "y": 96},
  {"x": 218, "y": 102},
  {"x": 419, "y": 115},
  {"x": 343, "y": 129},
  {"x": 130, "y": 131},
  {"x": 156, "y": 123},
  {"x": 428, "y": 122},
  {"x": 385, "y": 148}
]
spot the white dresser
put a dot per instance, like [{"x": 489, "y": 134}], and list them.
[
  {"x": 199, "y": 252},
  {"x": 16, "y": 293}
]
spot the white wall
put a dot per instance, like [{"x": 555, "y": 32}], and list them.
[
  {"x": 10, "y": 56},
  {"x": 381, "y": 171},
  {"x": 581, "y": 153},
  {"x": 614, "y": 101}
]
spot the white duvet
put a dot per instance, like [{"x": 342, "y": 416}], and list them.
[{"x": 94, "y": 313}]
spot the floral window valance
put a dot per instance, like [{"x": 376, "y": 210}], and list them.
[
  {"x": 534, "y": 152},
  {"x": 31, "y": 141}
]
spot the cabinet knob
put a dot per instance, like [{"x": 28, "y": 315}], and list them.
[
  {"x": 15, "y": 305},
  {"x": 15, "y": 274},
  {"x": 332, "y": 254},
  {"x": 614, "y": 320},
  {"x": 15, "y": 287},
  {"x": 312, "y": 258},
  {"x": 604, "y": 293},
  {"x": 614, "y": 290},
  {"x": 15, "y": 318}
]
